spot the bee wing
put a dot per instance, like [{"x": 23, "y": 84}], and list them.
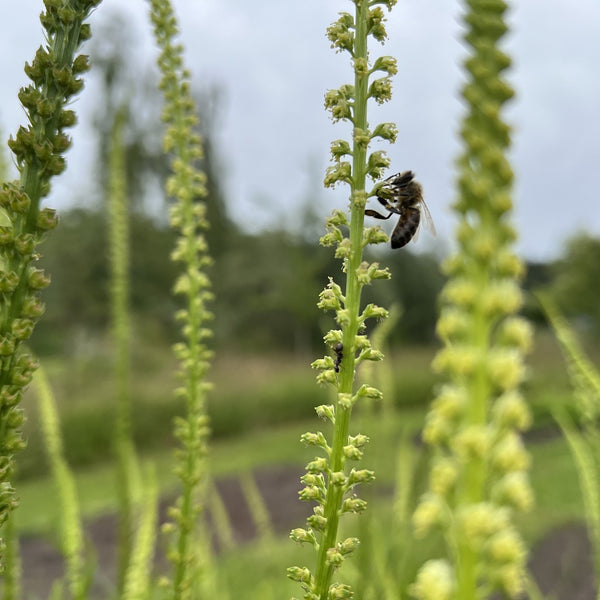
[{"x": 427, "y": 220}]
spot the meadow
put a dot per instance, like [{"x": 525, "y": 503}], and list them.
[{"x": 258, "y": 418}]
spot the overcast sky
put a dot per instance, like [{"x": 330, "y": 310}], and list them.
[{"x": 272, "y": 62}]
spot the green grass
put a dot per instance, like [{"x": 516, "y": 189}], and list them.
[{"x": 275, "y": 395}]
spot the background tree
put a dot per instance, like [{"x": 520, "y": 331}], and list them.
[{"x": 575, "y": 281}]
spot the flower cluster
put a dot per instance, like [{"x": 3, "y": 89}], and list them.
[
  {"x": 187, "y": 186},
  {"x": 330, "y": 479},
  {"x": 478, "y": 478},
  {"x": 38, "y": 150}
]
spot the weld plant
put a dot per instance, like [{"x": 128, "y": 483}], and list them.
[
  {"x": 38, "y": 150},
  {"x": 479, "y": 475},
  {"x": 330, "y": 478},
  {"x": 187, "y": 187}
]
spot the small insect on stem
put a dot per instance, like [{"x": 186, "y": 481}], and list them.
[
  {"x": 401, "y": 195},
  {"x": 339, "y": 355}
]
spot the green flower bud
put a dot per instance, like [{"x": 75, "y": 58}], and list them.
[
  {"x": 472, "y": 442},
  {"x": 437, "y": 429},
  {"x": 381, "y": 90},
  {"x": 506, "y": 547},
  {"x": 340, "y": 34},
  {"x": 386, "y": 131},
  {"x": 33, "y": 308},
  {"x": 323, "y": 363},
  {"x": 341, "y": 171},
  {"x": 343, "y": 318},
  {"x": 353, "y": 505},
  {"x": 22, "y": 328},
  {"x": 510, "y": 411},
  {"x": 334, "y": 557},
  {"x": 340, "y": 148},
  {"x": 511, "y": 578},
  {"x": 506, "y": 368},
  {"x": 367, "y": 391},
  {"x": 314, "y": 439},
  {"x": 344, "y": 249},
  {"x": 461, "y": 291},
  {"x": 318, "y": 465},
  {"x": 377, "y": 164},
  {"x": 326, "y": 412},
  {"x": 302, "y": 535},
  {"x": 361, "y": 67},
  {"x": 375, "y": 24},
  {"x": 7, "y": 346},
  {"x": 300, "y": 574},
  {"x": 327, "y": 376},
  {"x": 337, "y": 219},
  {"x": 478, "y": 522},
  {"x": 372, "y": 311},
  {"x": 509, "y": 454},
  {"x": 317, "y": 522},
  {"x": 345, "y": 401},
  {"x": 352, "y": 452},
  {"x": 313, "y": 479},
  {"x": 47, "y": 219},
  {"x": 509, "y": 265},
  {"x": 501, "y": 298},
  {"x": 329, "y": 300},
  {"x": 452, "y": 323},
  {"x": 358, "y": 440},
  {"x": 311, "y": 493},
  {"x": 361, "y": 138},
  {"x": 459, "y": 359},
  {"x": 514, "y": 490},
  {"x": 339, "y": 104},
  {"x": 429, "y": 514},
  {"x": 516, "y": 332},
  {"x": 388, "y": 64},
  {"x": 8, "y": 282},
  {"x": 435, "y": 581},
  {"x": 37, "y": 279},
  {"x": 374, "y": 235},
  {"x": 339, "y": 591},
  {"x": 360, "y": 476},
  {"x": 348, "y": 546},
  {"x": 442, "y": 477}
]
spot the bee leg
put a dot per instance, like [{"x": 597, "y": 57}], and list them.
[
  {"x": 388, "y": 206},
  {"x": 374, "y": 213}
]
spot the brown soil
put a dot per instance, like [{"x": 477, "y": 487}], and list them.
[{"x": 561, "y": 563}]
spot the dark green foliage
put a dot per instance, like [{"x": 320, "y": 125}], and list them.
[
  {"x": 576, "y": 280},
  {"x": 265, "y": 291},
  {"x": 415, "y": 285},
  {"x": 77, "y": 256}
]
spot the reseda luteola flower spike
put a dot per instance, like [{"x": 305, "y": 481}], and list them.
[
  {"x": 330, "y": 479},
  {"x": 38, "y": 150},
  {"x": 187, "y": 187},
  {"x": 479, "y": 475}
]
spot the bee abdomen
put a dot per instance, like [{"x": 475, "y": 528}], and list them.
[{"x": 406, "y": 228}]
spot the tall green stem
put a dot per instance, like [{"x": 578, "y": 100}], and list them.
[
  {"x": 187, "y": 187},
  {"x": 478, "y": 477},
  {"x": 329, "y": 480},
  {"x": 38, "y": 150}
]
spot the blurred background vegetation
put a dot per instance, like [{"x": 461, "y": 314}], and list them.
[{"x": 266, "y": 323}]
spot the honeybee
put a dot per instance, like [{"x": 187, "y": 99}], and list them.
[{"x": 401, "y": 195}]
